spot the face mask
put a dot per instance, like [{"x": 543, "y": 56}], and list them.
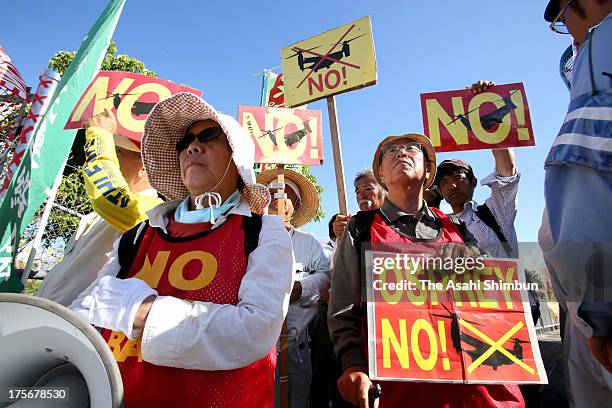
[{"x": 209, "y": 214}]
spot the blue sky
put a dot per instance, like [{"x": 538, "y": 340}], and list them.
[{"x": 218, "y": 46}]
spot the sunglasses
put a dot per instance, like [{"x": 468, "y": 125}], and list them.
[{"x": 205, "y": 136}]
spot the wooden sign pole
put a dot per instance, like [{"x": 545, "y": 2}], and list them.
[
  {"x": 337, "y": 148},
  {"x": 284, "y": 349}
]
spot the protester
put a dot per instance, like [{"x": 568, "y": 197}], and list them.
[
  {"x": 369, "y": 195},
  {"x": 326, "y": 368},
  {"x": 311, "y": 280},
  {"x": 405, "y": 166},
  {"x": 194, "y": 299},
  {"x": 116, "y": 183},
  {"x": 575, "y": 235},
  {"x": 491, "y": 223}
]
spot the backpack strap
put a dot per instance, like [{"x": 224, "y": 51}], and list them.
[
  {"x": 360, "y": 228},
  {"x": 484, "y": 213},
  {"x": 129, "y": 244},
  {"x": 252, "y": 227}
]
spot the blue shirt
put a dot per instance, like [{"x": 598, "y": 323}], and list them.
[{"x": 585, "y": 138}]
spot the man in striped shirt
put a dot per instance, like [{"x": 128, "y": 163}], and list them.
[{"x": 576, "y": 234}]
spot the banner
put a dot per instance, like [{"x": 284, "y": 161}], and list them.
[
  {"x": 50, "y": 144},
  {"x": 470, "y": 325},
  {"x": 284, "y": 136},
  {"x": 273, "y": 90},
  {"x": 461, "y": 120},
  {"x": 11, "y": 82},
  {"x": 344, "y": 60},
  {"x": 48, "y": 80},
  {"x": 130, "y": 96}
]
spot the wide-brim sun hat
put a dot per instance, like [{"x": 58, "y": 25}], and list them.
[
  {"x": 309, "y": 196},
  {"x": 417, "y": 137},
  {"x": 167, "y": 124}
]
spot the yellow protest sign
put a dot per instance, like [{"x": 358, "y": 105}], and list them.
[{"x": 330, "y": 63}]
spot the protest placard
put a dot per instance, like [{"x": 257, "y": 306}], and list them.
[
  {"x": 461, "y": 120},
  {"x": 441, "y": 320},
  {"x": 284, "y": 136},
  {"x": 130, "y": 96}
]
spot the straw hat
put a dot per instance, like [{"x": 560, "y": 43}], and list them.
[
  {"x": 422, "y": 139},
  {"x": 126, "y": 143},
  {"x": 167, "y": 124},
  {"x": 309, "y": 196}
]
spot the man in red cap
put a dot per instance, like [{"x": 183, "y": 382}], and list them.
[{"x": 405, "y": 166}]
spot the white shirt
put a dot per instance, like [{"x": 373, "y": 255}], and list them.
[
  {"x": 312, "y": 268},
  {"x": 209, "y": 336},
  {"x": 329, "y": 248},
  {"x": 503, "y": 203}
]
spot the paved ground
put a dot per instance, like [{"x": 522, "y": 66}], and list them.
[{"x": 552, "y": 394}]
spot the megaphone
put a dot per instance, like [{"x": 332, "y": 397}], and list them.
[{"x": 44, "y": 346}]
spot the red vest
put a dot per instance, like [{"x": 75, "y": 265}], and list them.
[
  {"x": 206, "y": 267},
  {"x": 402, "y": 394}
]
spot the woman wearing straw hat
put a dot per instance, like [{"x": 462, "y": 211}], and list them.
[
  {"x": 206, "y": 281},
  {"x": 311, "y": 278}
]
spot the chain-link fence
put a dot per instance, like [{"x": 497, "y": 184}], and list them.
[{"x": 69, "y": 206}]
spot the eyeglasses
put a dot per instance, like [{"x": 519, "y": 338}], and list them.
[
  {"x": 558, "y": 24},
  {"x": 204, "y": 136},
  {"x": 393, "y": 149}
]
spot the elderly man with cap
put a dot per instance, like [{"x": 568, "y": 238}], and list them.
[
  {"x": 369, "y": 195},
  {"x": 193, "y": 300},
  {"x": 575, "y": 235},
  {"x": 311, "y": 278},
  {"x": 116, "y": 183},
  {"x": 405, "y": 166}
]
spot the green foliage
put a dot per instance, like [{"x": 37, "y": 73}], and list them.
[
  {"x": 320, "y": 215},
  {"x": 111, "y": 62},
  {"x": 61, "y": 60},
  {"x": 534, "y": 277},
  {"x": 32, "y": 286}
]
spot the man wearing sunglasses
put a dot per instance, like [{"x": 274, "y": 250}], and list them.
[{"x": 575, "y": 235}]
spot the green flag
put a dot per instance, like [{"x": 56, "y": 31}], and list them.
[{"x": 50, "y": 144}]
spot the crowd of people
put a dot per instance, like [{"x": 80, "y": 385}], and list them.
[{"x": 208, "y": 295}]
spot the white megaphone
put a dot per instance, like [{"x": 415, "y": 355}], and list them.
[{"x": 44, "y": 346}]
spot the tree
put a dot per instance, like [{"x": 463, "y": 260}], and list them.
[
  {"x": 320, "y": 214},
  {"x": 111, "y": 62}
]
